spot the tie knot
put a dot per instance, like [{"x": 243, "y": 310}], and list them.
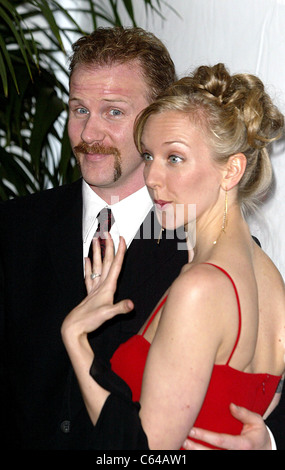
[{"x": 105, "y": 221}]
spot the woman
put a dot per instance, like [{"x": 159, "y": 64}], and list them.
[{"x": 218, "y": 334}]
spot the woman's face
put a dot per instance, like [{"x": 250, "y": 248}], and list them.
[{"x": 179, "y": 169}]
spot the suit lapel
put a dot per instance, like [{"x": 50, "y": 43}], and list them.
[
  {"x": 146, "y": 257},
  {"x": 65, "y": 243}
]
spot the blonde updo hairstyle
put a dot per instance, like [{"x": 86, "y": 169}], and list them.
[{"x": 237, "y": 115}]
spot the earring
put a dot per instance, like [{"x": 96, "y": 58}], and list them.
[
  {"x": 225, "y": 217},
  {"x": 225, "y": 213}
]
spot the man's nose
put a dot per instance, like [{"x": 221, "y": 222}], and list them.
[{"x": 93, "y": 130}]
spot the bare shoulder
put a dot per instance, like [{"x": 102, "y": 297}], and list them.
[
  {"x": 200, "y": 278},
  {"x": 200, "y": 299},
  {"x": 202, "y": 288},
  {"x": 271, "y": 299},
  {"x": 266, "y": 267},
  {"x": 270, "y": 282}
]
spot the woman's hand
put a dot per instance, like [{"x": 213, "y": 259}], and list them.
[
  {"x": 92, "y": 312},
  {"x": 101, "y": 283}
]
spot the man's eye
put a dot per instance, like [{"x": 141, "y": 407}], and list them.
[
  {"x": 115, "y": 112},
  {"x": 147, "y": 157},
  {"x": 81, "y": 111},
  {"x": 175, "y": 159}
]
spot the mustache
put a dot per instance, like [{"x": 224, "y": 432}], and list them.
[{"x": 96, "y": 148}]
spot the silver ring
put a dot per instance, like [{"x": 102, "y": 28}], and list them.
[{"x": 94, "y": 275}]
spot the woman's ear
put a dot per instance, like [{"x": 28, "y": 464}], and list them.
[{"x": 234, "y": 170}]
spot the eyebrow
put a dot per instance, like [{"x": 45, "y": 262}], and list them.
[
  {"x": 175, "y": 142},
  {"x": 168, "y": 143},
  {"x": 109, "y": 100},
  {"x": 115, "y": 99}
]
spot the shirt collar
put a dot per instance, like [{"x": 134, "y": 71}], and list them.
[
  {"x": 92, "y": 205},
  {"x": 129, "y": 213}
]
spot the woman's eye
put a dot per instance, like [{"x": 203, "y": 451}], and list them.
[
  {"x": 146, "y": 157},
  {"x": 175, "y": 159}
]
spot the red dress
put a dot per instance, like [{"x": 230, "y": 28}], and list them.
[{"x": 227, "y": 385}]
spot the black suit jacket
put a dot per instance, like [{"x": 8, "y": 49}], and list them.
[
  {"x": 41, "y": 281},
  {"x": 276, "y": 423}
]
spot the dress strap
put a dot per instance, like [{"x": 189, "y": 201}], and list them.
[
  {"x": 154, "y": 314},
  {"x": 239, "y": 309}
]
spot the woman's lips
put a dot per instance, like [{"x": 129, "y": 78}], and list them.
[{"x": 160, "y": 204}]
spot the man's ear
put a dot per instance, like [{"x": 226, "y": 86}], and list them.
[{"x": 234, "y": 170}]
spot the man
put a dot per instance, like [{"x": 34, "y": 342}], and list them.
[{"x": 44, "y": 238}]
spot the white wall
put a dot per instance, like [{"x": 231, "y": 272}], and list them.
[{"x": 248, "y": 36}]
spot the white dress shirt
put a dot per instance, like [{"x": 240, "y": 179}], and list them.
[{"x": 129, "y": 213}]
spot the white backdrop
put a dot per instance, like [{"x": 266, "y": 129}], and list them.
[{"x": 248, "y": 36}]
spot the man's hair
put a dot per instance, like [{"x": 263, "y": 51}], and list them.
[{"x": 118, "y": 45}]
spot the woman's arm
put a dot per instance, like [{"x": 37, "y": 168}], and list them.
[
  {"x": 183, "y": 352},
  {"x": 107, "y": 397},
  {"x": 181, "y": 357},
  {"x": 92, "y": 312},
  {"x": 254, "y": 435}
]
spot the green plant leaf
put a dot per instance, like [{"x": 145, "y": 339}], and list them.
[
  {"x": 48, "y": 108},
  {"x": 18, "y": 38},
  {"x": 3, "y": 74},
  {"x": 49, "y": 16},
  {"x": 17, "y": 171},
  {"x": 129, "y": 7}
]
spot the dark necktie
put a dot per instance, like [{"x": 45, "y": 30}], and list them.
[{"x": 105, "y": 222}]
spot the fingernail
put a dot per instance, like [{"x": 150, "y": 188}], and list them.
[{"x": 187, "y": 445}]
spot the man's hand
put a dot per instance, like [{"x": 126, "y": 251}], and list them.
[{"x": 254, "y": 435}]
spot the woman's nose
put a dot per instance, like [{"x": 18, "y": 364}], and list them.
[{"x": 153, "y": 174}]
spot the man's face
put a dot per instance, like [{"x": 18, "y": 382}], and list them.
[{"x": 103, "y": 104}]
